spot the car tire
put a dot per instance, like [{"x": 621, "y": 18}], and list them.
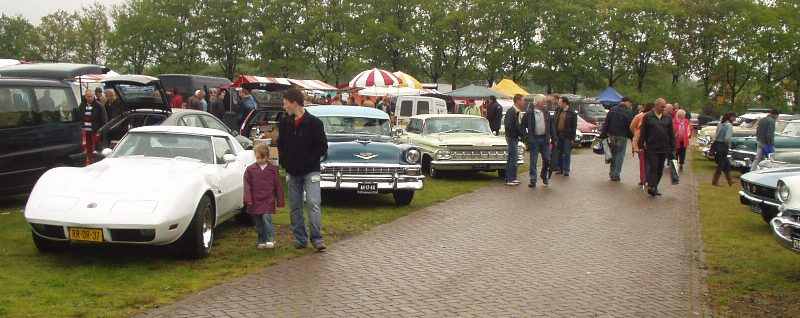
[
  {"x": 197, "y": 240},
  {"x": 429, "y": 169},
  {"x": 403, "y": 198},
  {"x": 48, "y": 246},
  {"x": 767, "y": 214}
]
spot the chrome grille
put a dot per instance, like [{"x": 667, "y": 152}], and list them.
[
  {"x": 473, "y": 155},
  {"x": 758, "y": 190},
  {"x": 363, "y": 170}
]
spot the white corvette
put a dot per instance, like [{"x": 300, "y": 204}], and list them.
[{"x": 162, "y": 185}]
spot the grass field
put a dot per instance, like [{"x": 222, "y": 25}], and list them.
[
  {"x": 101, "y": 281},
  {"x": 749, "y": 274}
]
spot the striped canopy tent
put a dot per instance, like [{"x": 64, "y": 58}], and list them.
[
  {"x": 407, "y": 80},
  {"x": 252, "y": 79},
  {"x": 374, "y": 77},
  {"x": 313, "y": 85}
]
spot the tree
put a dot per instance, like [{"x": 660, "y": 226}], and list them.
[
  {"x": 58, "y": 31},
  {"x": 227, "y": 32},
  {"x": 614, "y": 33},
  {"x": 387, "y": 40},
  {"x": 18, "y": 38},
  {"x": 678, "y": 34},
  {"x": 447, "y": 46},
  {"x": 178, "y": 23},
  {"x": 280, "y": 36},
  {"x": 134, "y": 40},
  {"x": 332, "y": 25},
  {"x": 647, "y": 36},
  {"x": 739, "y": 56},
  {"x": 92, "y": 31}
]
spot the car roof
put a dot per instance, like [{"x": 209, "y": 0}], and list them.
[
  {"x": 58, "y": 71},
  {"x": 10, "y": 81},
  {"x": 180, "y": 112},
  {"x": 347, "y": 111},
  {"x": 136, "y": 79},
  {"x": 181, "y": 130},
  {"x": 428, "y": 116}
]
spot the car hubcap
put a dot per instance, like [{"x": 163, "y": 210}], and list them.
[{"x": 208, "y": 228}]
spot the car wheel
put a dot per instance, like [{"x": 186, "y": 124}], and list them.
[
  {"x": 403, "y": 198},
  {"x": 501, "y": 173},
  {"x": 198, "y": 238},
  {"x": 48, "y": 246},
  {"x": 768, "y": 213},
  {"x": 429, "y": 169}
]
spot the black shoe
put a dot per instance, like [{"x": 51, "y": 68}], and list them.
[
  {"x": 532, "y": 185},
  {"x": 546, "y": 182},
  {"x": 566, "y": 174},
  {"x": 651, "y": 192}
]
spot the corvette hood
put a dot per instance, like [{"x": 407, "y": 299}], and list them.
[
  {"x": 769, "y": 177},
  {"x": 132, "y": 176}
]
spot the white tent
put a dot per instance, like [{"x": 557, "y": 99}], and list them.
[{"x": 390, "y": 91}]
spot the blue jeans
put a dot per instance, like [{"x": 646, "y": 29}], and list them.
[
  {"x": 266, "y": 232},
  {"x": 619, "y": 145},
  {"x": 538, "y": 145},
  {"x": 512, "y": 159},
  {"x": 564, "y": 146},
  {"x": 305, "y": 189}
]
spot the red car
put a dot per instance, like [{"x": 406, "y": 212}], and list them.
[{"x": 587, "y": 132}]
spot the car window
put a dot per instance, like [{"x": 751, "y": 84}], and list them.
[
  {"x": 406, "y": 108},
  {"x": 423, "y": 108},
  {"x": 215, "y": 124},
  {"x": 165, "y": 145},
  {"x": 457, "y": 125},
  {"x": 16, "y": 107},
  {"x": 413, "y": 126},
  {"x": 54, "y": 104},
  {"x": 191, "y": 121},
  {"x": 792, "y": 129},
  {"x": 221, "y": 148}
]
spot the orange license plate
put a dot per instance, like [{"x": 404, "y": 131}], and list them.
[{"x": 88, "y": 235}]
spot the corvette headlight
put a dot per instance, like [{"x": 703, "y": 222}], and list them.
[
  {"x": 443, "y": 155},
  {"x": 783, "y": 194},
  {"x": 412, "y": 156}
]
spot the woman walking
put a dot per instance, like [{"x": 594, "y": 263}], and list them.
[
  {"x": 721, "y": 145},
  {"x": 683, "y": 133},
  {"x": 636, "y": 126}
]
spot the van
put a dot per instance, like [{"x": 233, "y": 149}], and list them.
[
  {"x": 39, "y": 130},
  {"x": 407, "y": 106}
]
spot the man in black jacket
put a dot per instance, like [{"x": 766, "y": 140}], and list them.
[
  {"x": 616, "y": 128},
  {"x": 512, "y": 122},
  {"x": 658, "y": 142},
  {"x": 494, "y": 114},
  {"x": 566, "y": 122},
  {"x": 302, "y": 143},
  {"x": 93, "y": 116},
  {"x": 538, "y": 128}
]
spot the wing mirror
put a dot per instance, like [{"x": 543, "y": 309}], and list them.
[
  {"x": 106, "y": 152},
  {"x": 228, "y": 158},
  {"x": 398, "y": 132}
]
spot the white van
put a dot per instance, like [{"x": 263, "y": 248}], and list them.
[{"x": 407, "y": 106}]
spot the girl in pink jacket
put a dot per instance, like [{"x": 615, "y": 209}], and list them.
[
  {"x": 683, "y": 133},
  {"x": 263, "y": 192}
]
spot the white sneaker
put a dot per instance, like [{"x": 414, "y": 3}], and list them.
[
  {"x": 261, "y": 246},
  {"x": 269, "y": 245}
]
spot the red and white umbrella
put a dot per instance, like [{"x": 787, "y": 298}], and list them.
[{"x": 374, "y": 78}]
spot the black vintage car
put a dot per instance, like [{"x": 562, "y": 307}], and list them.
[{"x": 39, "y": 124}]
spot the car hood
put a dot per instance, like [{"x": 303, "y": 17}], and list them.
[
  {"x": 480, "y": 140},
  {"x": 769, "y": 177},
  {"x": 363, "y": 152},
  {"x": 587, "y": 127},
  {"x": 130, "y": 176}
]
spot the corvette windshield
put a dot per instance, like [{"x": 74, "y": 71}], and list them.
[
  {"x": 165, "y": 145},
  {"x": 355, "y": 125},
  {"x": 456, "y": 125}
]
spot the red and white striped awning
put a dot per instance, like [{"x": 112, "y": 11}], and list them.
[
  {"x": 95, "y": 78},
  {"x": 313, "y": 85},
  {"x": 374, "y": 77},
  {"x": 251, "y": 79}
]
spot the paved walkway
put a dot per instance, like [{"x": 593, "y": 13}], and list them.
[{"x": 585, "y": 247}]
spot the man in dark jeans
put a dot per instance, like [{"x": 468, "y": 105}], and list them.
[
  {"x": 616, "y": 128},
  {"x": 513, "y": 128},
  {"x": 538, "y": 128},
  {"x": 302, "y": 143},
  {"x": 494, "y": 114},
  {"x": 566, "y": 121},
  {"x": 658, "y": 142}
]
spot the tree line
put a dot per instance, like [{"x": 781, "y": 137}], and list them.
[{"x": 730, "y": 53}]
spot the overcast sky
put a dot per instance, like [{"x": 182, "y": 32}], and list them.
[{"x": 35, "y": 9}]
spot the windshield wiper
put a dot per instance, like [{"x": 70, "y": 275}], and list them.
[{"x": 447, "y": 131}]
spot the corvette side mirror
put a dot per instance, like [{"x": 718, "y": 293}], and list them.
[{"x": 228, "y": 158}]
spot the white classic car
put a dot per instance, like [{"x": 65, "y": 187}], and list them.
[
  {"x": 786, "y": 226},
  {"x": 161, "y": 185}
]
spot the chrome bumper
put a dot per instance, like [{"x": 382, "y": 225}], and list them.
[
  {"x": 386, "y": 182},
  {"x": 476, "y": 165},
  {"x": 749, "y": 200},
  {"x": 782, "y": 229}
]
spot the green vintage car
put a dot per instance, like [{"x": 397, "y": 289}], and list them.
[
  {"x": 743, "y": 149},
  {"x": 362, "y": 156},
  {"x": 457, "y": 142}
]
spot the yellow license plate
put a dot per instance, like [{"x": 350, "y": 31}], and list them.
[{"x": 89, "y": 235}]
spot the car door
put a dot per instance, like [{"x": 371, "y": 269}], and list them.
[
  {"x": 230, "y": 176},
  {"x": 413, "y": 131}
]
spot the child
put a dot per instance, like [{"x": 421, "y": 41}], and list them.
[{"x": 263, "y": 191}]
